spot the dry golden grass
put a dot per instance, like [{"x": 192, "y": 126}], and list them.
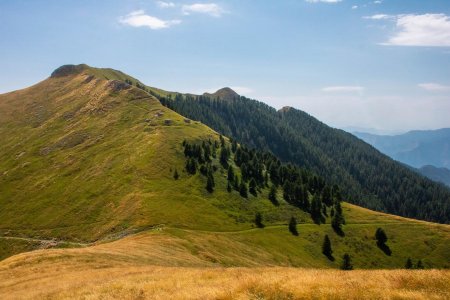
[
  {"x": 155, "y": 282},
  {"x": 155, "y": 265}
]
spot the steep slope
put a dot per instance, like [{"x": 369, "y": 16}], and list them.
[
  {"x": 368, "y": 177},
  {"x": 415, "y": 148},
  {"x": 84, "y": 157}
]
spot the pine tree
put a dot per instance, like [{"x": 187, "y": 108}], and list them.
[
  {"x": 230, "y": 176},
  {"x": 252, "y": 187},
  {"x": 243, "y": 189},
  {"x": 191, "y": 166},
  {"x": 316, "y": 210},
  {"x": 293, "y": 226},
  {"x": 381, "y": 237},
  {"x": 176, "y": 175},
  {"x": 224, "y": 156},
  {"x": 259, "y": 220},
  {"x": 326, "y": 248},
  {"x": 336, "y": 223},
  {"x": 419, "y": 264},
  {"x": 273, "y": 195},
  {"x": 236, "y": 183},
  {"x": 229, "y": 187},
  {"x": 210, "y": 182},
  {"x": 346, "y": 262},
  {"x": 409, "y": 264}
]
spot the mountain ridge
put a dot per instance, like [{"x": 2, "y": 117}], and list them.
[{"x": 117, "y": 162}]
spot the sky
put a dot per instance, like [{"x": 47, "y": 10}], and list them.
[{"x": 380, "y": 65}]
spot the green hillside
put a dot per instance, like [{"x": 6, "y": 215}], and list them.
[
  {"x": 88, "y": 158},
  {"x": 366, "y": 176}
]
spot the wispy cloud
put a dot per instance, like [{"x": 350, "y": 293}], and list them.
[
  {"x": 211, "y": 9},
  {"x": 138, "y": 18},
  {"x": 378, "y": 17},
  {"x": 164, "y": 4},
  {"x": 343, "y": 89},
  {"x": 377, "y": 2},
  {"x": 355, "y": 7},
  {"x": 434, "y": 87},
  {"x": 323, "y": 1}
]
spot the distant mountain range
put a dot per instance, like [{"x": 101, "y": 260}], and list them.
[
  {"x": 415, "y": 148},
  {"x": 428, "y": 151}
]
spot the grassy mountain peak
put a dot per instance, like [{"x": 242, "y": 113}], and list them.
[{"x": 225, "y": 93}]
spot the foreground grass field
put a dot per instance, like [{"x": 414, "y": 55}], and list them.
[
  {"x": 171, "y": 263},
  {"x": 152, "y": 282}
]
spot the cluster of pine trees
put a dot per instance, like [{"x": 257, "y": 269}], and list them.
[
  {"x": 249, "y": 171},
  {"x": 366, "y": 177}
]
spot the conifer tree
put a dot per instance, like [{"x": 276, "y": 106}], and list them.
[
  {"x": 252, "y": 187},
  {"x": 326, "y": 248},
  {"x": 273, "y": 195},
  {"x": 224, "y": 156},
  {"x": 293, "y": 226},
  {"x": 259, "y": 220},
  {"x": 230, "y": 176},
  {"x": 409, "y": 264},
  {"x": 419, "y": 264},
  {"x": 336, "y": 223},
  {"x": 243, "y": 189},
  {"x": 316, "y": 210},
  {"x": 229, "y": 187},
  {"x": 381, "y": 237},
  {"x": 191, "y": 166},
  {"x": 210, "y": 181},
  {"x": 236, "y": 183},
  {"x": 176, "y": 175},
  {"x": 346, "y": 262}
]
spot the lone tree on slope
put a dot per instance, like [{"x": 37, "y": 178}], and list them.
[
  {"x": 346, "y": 262},
  {"x": 326, "y": 248},
  {"x": 258, "y": 220},
  {"x": 293, "y": 226}
]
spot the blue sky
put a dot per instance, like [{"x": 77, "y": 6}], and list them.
[{"x": 371, "y": 64}]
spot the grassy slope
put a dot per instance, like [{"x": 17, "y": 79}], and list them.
[
  {"x": 81, "y": 163},
  {"x": 181, "y": 263}
]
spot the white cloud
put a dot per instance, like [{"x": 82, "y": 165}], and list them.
[
  {"x": 378, "y": 17},
  {"x": 323, "y": 1},
  {"x": 164, "y": 4},
  {"x": 377, "y": 2},
  {"x": 432, "y": 30},
  {"x": 138, "y": 18},
  {"x": 211, "y": 9},
  {"x": 434, "y": 87},
  {"x": 343, "y": 89},
  {"x": 354, "y": 6}
]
